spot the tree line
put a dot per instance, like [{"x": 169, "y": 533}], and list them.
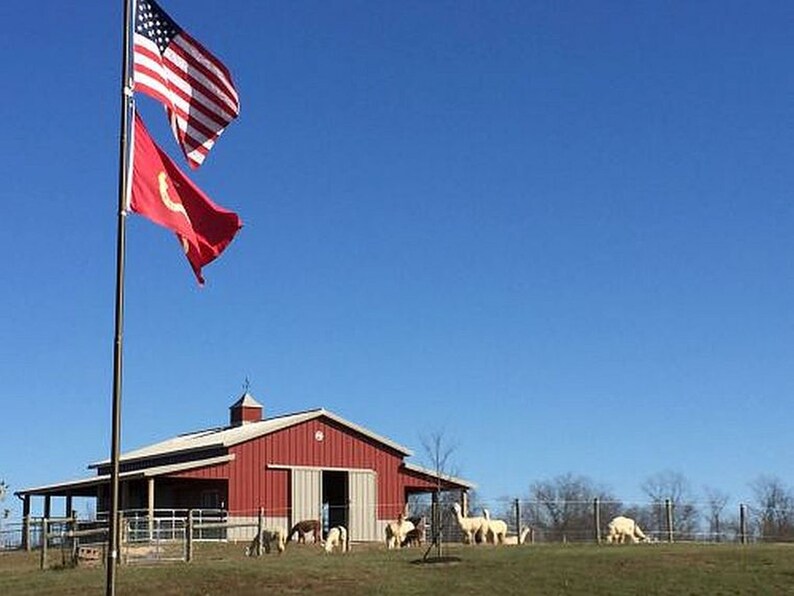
[{"x": 562, "y": 508}]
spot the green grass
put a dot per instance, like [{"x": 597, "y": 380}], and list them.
[{"x": 677, "y": 569}]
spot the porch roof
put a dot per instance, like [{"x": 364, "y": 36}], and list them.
[
  {"x": 87, "y": 487},
  {"x": 434, "y": 475}
]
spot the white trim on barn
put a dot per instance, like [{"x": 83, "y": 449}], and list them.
[{"x": 318, "y": 468}]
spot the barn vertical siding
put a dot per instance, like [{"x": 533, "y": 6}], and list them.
[{"x": 253, "y": 484}]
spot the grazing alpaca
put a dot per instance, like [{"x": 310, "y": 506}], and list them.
[
  {"x": 495, "y": 530},
  {"x": 337, "y": 538},
  {"x": 396, "y": 531},
  {"x": 471, "y": 526},
  {"x": 520, "y": 539},
  {"x": 305, "y": 527},
  {"x": 624, "y": 529},
  {"x": 417, "y": 535},
  {"x": 267, "y": 538}
]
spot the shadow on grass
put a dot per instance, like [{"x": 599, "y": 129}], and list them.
[{"x": 448, "y": 560}]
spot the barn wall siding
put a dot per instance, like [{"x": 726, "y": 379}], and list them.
[
  {"x": 218, "y": 472},
  {"x": 253, "y": 484}
]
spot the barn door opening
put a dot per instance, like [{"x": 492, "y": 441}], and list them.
[{"x": 335, "y": 491}]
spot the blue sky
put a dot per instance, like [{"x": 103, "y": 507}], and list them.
[{"x": 561, "y": 233}]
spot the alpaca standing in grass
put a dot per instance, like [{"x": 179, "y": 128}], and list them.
[
  {"x": 624, "y": 529},
  {"x": 337, "y": 538},
  {"x": 268, "y": 538},
  {"x": 470, "y": 526},
  {"x": 304, "y": 528},
  {"x": 417, "y": 535},
  {"x": 396, "y": 531},
  {"x": 494, "y": 530}
]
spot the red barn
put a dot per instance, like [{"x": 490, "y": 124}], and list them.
[{"x": 308, "y": 465}]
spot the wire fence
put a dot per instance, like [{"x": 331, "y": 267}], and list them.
[{"x": 167, "y": 534}]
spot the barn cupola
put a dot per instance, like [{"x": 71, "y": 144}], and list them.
[{"x": 245, "y": 410}]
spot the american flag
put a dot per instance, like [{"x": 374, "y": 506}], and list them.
[{"x": 193, "y": 85}]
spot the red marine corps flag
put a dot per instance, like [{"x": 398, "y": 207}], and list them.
[
  {"x": 161, "y": 192},
  {"x": 193, "y": 85}
]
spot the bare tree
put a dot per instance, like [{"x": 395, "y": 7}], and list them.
[
  {"x": 563, "y": 507},
  {"x": 716, "y": 500},
  {"x": 6, "y": 512},
  {"x": 672, "y": 486},
  {"x": 774, "y": 502},
  {"x": 438, "y": 450}
]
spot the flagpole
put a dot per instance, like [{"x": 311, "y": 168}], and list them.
[{"x": 121, "y": 240}]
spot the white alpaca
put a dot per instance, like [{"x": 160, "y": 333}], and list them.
[
  {"x": 471, "y": 526},
  {"x": 494, "y": 530},
  {"x": 337, "y": 538},
  {"x": 397, "y": 530},
  {"x": 520, "y": 539},
  {"x": 624, "y": 529},
  {"x": 268, "y": 538}
]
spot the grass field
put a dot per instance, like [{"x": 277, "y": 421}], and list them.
[{"x": 678, "y": 569}]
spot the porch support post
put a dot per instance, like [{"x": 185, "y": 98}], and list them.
[
  {"x": 68, "y": 508},
  {"x": 47, "y": 506},
  {"x": 150, "y": 487}
]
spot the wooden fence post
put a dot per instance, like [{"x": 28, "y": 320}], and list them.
[
  {"x": 75, "y": 540},
  {"x": 668, "y": 509},
  {"x": 743, "y": 523},
  {"x": 26, "y": 533},
  {"x": 122, "y": 535},
  {"x": 597, "y": 520},
  {"x": 44, "y": 530},
  {"x": 517, "y": 510},
  {"x": 189, "y": 537},
  {"x": 260, "y": 528}
]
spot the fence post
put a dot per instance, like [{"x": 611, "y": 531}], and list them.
[
  {"x": 597, "y": 520},
  {"x": 26, "y": 533},
  {"x": 259, "y": 528},
  {"x": 743, "y": 523},
  {"x": 75, "y": 540},
  {"x": 189, "y": 537},
  {"x": 44, "y": 530},
  {"x": 517, "y": 509},
  {"x": 668, "y": 510},
  {"x": 122, "y": 536}
]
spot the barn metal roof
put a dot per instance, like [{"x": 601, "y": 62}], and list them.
[
  {"x": 246, "y": 401},
  {"x": 234, "y": 435},
  {"x": 442, "y": 476},
  {"x": 94, "y": 481}
]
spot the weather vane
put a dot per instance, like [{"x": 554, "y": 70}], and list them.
[{"x": 246, "y": 384}]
